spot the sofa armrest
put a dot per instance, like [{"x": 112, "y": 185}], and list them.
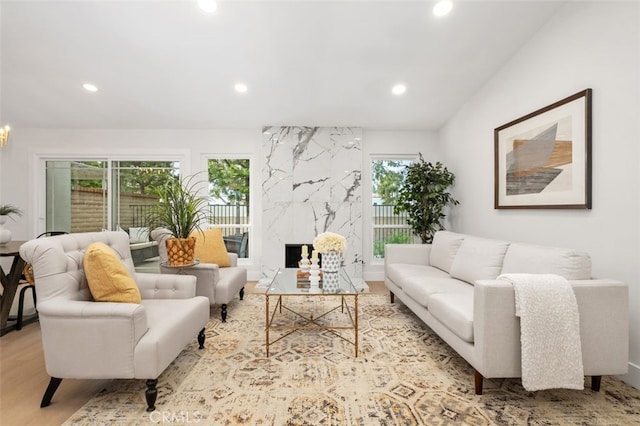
[
  {"x": 496, "y": 329},
  {"x": 163, "y": 286},
  {"x": 604, "y": 327},
  {"x": 86, "y": 339},
  {"x": 417, "y": 254},
  {"x": 233, "y": 259}
]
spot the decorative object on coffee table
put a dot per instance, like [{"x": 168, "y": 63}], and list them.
[
  {"x": 304, "y": 259},
  {"x": 180, "y": 211},
  {"x": 331, "y": 245}
]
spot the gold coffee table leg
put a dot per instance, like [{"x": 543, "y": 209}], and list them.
[
  {"x": 355, "y": 325},
  {"x": 266, "y": 328}
]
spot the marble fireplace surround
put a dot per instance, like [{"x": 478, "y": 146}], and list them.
[{"x": 311, "y": 183}]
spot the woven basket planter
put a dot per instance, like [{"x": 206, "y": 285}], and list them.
[{"x": 180, "y": 251}]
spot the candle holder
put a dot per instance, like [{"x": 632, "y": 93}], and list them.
[
  {"x": 314, "y": 277},
  {"x": 304, "y": 263}
]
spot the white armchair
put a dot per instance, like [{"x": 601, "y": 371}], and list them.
[
  {"x": 220, "y": 285},
  {"x": 83, "y": 339}
]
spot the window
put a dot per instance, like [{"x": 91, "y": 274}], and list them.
[
  {"x": 133, "y": 189},
  {"x": 80, "y": 196},
  {"x": 76, "y": 195},
  {"x": 388, "y": 227},
  {"x": 229, "y": 201}
]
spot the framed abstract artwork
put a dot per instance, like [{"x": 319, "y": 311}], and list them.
[{"x": 543, "y": 159}]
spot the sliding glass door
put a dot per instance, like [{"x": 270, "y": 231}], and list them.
[{"x": 99, "y": 194}]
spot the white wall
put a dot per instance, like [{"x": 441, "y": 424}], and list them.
[
  {"x": 19, "y": 179},
  {"x": 587, "y": 44}
]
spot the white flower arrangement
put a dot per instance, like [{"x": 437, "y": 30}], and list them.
[{"x": 329, "y": 241}]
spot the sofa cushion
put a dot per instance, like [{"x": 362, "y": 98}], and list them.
[
  {"x": 455, "y": 311},
  {"x": 479, "y": 259},
  {"x": 419, "y": 288},
  {"x": 528, "y": 258},
  {"x": 444, "y": 248},
  {"x": 107, "y": 276},
  {"x": 400, "y": 272}
]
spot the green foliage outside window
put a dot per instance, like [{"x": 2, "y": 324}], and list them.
[
  {"x": 395, "y": 238},
  {"x": 229, "y": 180}
]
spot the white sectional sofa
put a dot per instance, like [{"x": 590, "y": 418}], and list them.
[{"x": 451, "y": 285}]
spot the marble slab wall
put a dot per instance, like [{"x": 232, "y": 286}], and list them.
[{"x": 311, "y": 183}]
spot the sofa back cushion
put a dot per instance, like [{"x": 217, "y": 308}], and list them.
[
  {"x": 479, "y": 259},
  {"x": 444, "y": 248},
  {"x": 528, "y": 258}
]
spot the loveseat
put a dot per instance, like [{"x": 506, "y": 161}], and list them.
[{"x": 451, "y": 285}]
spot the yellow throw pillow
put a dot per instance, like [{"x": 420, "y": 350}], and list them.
[
  {"x": 108, "y": 278},
  {"x": 210, "y": 247}
]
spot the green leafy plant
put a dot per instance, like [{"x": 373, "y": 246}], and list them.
[
  {"x": 395, "y": 238},
  {"x": 9, "y": 210},
  {"x": 423, "y": 196},
  {"x": 179, "y": 207}
]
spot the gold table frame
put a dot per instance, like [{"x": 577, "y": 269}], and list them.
[{"x": 284, "y": 284}]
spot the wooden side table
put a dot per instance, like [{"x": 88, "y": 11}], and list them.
[{"x": 9, "y": 281}]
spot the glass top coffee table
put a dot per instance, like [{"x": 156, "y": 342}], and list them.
[{"x": 335, "y": 287}]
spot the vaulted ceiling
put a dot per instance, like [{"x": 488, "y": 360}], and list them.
[{"x": 168, "y": 65}]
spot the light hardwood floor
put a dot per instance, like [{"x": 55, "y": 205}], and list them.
[{"x": 23, "y": 379}]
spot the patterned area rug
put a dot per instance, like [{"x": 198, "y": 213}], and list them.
[{"x": 404, "y": 375}]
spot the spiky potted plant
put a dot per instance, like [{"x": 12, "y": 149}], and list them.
[{"x": 180, "y": 211}]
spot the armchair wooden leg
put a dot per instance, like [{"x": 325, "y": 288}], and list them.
[
  {"x": 477, "y": 378},
  {"x": 595, "y": 383},
  {"x": 242, "y": 293},
  {"x": 151, "y": 394},
  {"x": 51, "y": 389},
  {"x": 392, "y": 297},
  {"x": 224, "y": 312},
  {"x": 21, "y": 303},
  {"x": 201, "y": 339}
]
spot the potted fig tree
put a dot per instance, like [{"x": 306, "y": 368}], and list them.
[
  {"x": 423, "y": 195},
  {"x": 180, "y": 211}
]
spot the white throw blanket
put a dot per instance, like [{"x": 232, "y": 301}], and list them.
[{"x": 549, "y": 331}]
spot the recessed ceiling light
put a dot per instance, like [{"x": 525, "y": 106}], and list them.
[
  {"x": 240, "y": 87},
  {"x": 90, "y": 87},
  {"x": 399, "y": 89},
  {"x": 208, "y": 6},
  {"x": 442, "y": 8}
]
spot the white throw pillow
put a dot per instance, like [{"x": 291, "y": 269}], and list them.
[
  {"x": 444, "y": 248},
  {"x": 479, "y": 259},
  {"x": 138, "y": 235}
]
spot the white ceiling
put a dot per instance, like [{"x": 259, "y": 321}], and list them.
[{"x": 167, "y": 64}]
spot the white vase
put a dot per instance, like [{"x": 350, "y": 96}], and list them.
[
  {"x": 330, "y": 282},
  {"x": 331, "y": 261},
  {"x": 5, "y": 234}
]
